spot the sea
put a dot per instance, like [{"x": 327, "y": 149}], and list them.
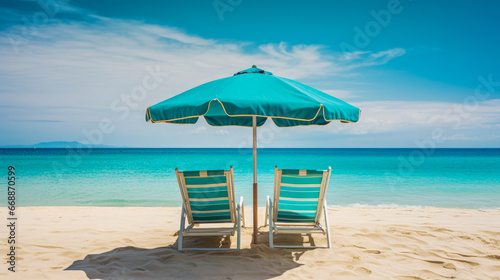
[{"x": 451, "y": 178}]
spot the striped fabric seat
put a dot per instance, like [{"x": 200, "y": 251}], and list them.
[
  {"x": 299, "y": 200},
  {"x": 208, "y": 197},
  {"x": 299, "y": 195}
]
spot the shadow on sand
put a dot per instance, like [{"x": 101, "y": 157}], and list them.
[{"x": 258, "y": 262}]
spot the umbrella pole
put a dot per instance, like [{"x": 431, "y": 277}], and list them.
[{"x": 255, "y": 212}]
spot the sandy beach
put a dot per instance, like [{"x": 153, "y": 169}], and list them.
[{"x": 368, "y": 243}]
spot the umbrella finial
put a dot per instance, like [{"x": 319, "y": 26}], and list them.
[{"x": 253, "y": 66}]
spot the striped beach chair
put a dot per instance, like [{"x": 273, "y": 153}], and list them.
[
  {"x": 298, "y": 204},
  {"x": 208, "y": 198}
]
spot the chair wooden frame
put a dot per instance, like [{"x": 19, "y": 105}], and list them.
[
  {"x": 276, "y": 227},
  {"x": 237, "y": 214}
]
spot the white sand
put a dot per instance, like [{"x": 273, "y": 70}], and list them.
[{"x": 368, "y": 243}]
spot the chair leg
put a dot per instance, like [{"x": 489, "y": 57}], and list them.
[
  {"x": 238, "y": 215},
  {"x": 267, "y": 209},
  {"x": 183, "y": 218},
  {"x": 327, "y": 225},
  {"x": 270, "y": 215},
  {"x": 242, "y": 211}
]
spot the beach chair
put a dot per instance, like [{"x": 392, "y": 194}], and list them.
[
  {"x": 208, "y": 198},
  {"x": 298, "y": 205}
]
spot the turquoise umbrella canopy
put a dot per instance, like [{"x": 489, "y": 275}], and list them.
[{"x": 233, "y": 101}]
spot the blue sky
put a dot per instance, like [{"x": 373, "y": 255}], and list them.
[{"x": 415, "y": 68}]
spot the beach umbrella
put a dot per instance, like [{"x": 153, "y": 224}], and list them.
[{"x": 249, "y": 98}]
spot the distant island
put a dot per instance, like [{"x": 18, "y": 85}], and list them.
[{"x": 57, "y": 145}]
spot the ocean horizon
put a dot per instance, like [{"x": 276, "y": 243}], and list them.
[{"x": 383, "y": 177}]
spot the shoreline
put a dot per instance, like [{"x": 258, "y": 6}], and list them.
[
  {"x": 82, "y": 242},
  {"x": 331, "y": 207}
]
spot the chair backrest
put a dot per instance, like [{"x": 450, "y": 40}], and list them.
[
  {"x": 208, "y": 196},
  {"x": 299, "y": 195}
]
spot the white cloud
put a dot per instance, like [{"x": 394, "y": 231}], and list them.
[
  {"x": 222, "y": 132},
  {"x": 198, "y": 130},
  {"x": 174, "y": 34},
  {"x": 393, "y": 116},
  {"x": 365, "y": 58},
  {"x": 399, "y": 124},
  {"x": 90, "y": 64},
  {"x": 460, "y": 136},
  {"x": 203, "y": 128},
  {"x": 72, "y": 71}
]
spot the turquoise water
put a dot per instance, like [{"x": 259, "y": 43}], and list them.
[{"x": 462, "y": 178}]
